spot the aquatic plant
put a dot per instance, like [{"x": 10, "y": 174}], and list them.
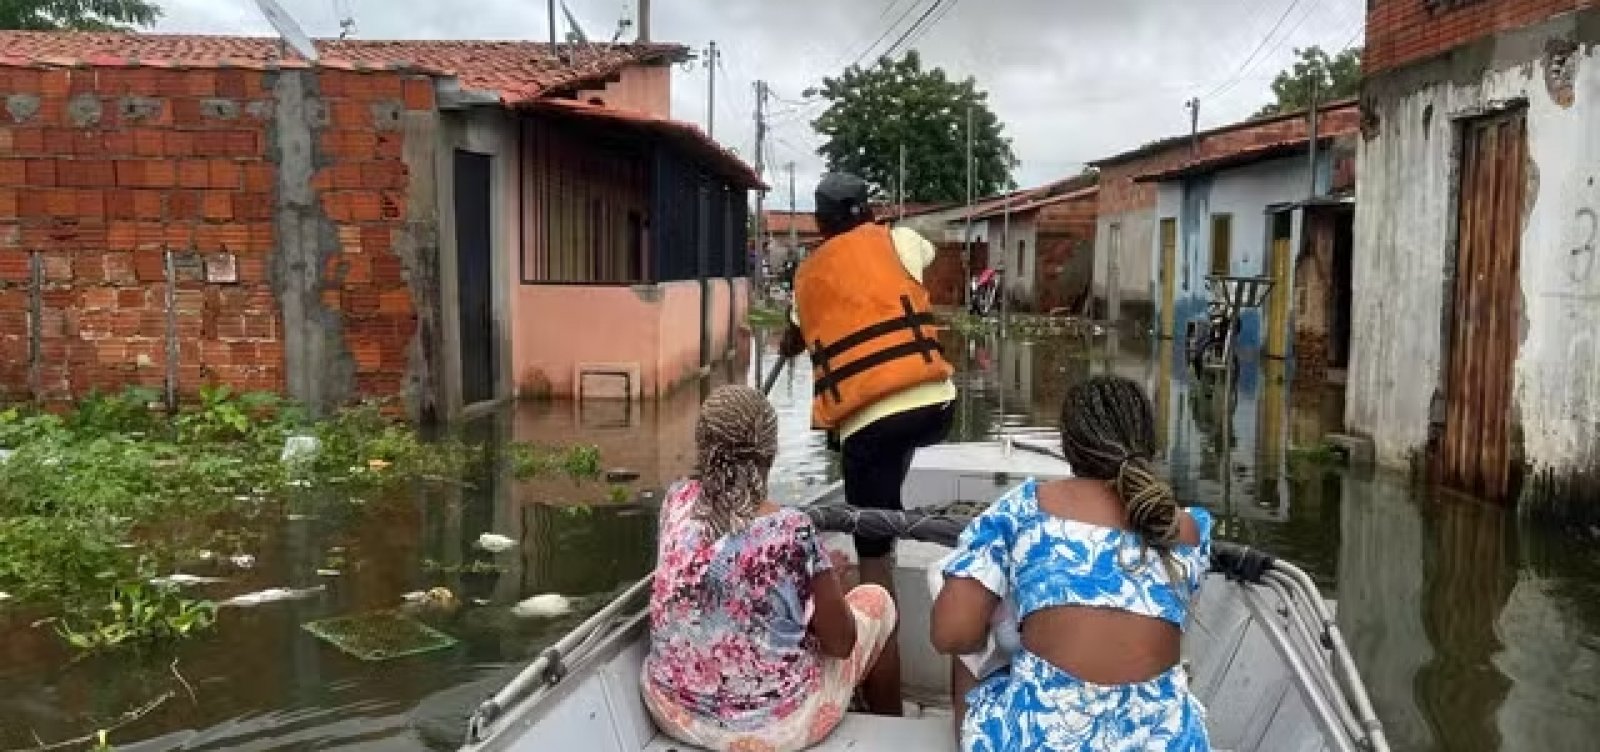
[
  {"x": 763, "y": 317},
  {"x": 137, "y": 614}
]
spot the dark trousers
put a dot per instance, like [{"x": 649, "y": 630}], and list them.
[{"x": 877, "y": 459}]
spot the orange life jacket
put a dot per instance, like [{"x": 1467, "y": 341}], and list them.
[{"x": 868, "y": 323}]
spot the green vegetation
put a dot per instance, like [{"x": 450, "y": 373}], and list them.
[
  {"x": 77, "y": 15},
  {"x": 96, "y": 502},
  {"x": 767, "y": 318},
  {"x": 1024, "y": 326}
]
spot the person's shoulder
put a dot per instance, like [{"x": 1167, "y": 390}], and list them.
[{"x": 1197, "y": 524}]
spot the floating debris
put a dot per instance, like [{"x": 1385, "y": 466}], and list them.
[
  {"x": 495, "y": 543},
  {"x": 4, "y": 596},
  {"x": 621, "y": 475},
  {"x": 380, "y": 636},
  {"x": 440, "y": 598},
  {"x": 273, "y": 595},
  {"x": 5, "y": 454},
  {"x": 379, "y": 465},
  {"x": 301, "y": 517},
  {"x": 185, "y": 580},
  {"x": 546, "y": 606},
  {"x": 328, "y": 573},
  {"x": 243, "y": 561},
  {"x": 207, "y": 555}
]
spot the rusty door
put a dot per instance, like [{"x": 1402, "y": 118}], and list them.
[
  {"x": 1169, "y": 277},
  {"x": 1280, "y": 267},
  {"x": 1476, "y": 451}
]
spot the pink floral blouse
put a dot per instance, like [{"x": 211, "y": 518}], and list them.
[{"x": 728, "y": 616}]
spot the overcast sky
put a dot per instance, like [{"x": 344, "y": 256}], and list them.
[{"x": 1073, "y": 80}]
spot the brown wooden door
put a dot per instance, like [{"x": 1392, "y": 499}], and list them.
[{"x": 1476, "y": 454}]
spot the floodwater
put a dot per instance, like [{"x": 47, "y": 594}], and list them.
[{"x": 1473, "y": 633}]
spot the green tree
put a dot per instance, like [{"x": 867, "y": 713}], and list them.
[
  {"x": 872, "y": 112},
  {"x": 1334, "y": 78},
  {"x": 77, "y": 15}
]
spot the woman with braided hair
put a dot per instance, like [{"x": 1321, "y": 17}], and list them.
[
  {"x": 1102, "y": 569},
  {"x": 753, "y": 643}
]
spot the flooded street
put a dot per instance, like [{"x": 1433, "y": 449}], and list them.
[{"x": 1473, "y": 633}]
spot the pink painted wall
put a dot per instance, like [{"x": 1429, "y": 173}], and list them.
[
  {"x": 556, "y": 327},
  {"x": 679, "y": 328},
  {"x": 642, "y": 88}
]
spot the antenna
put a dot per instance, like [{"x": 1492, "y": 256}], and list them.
[
  {"x": 347, "y": 19},
  {"x": 288, "y": 30},
  {"x": 576, "y": 35}
]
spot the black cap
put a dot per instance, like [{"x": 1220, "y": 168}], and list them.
[{"x": 842, "y": 188}]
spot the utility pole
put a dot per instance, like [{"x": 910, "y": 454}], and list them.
[
  {"x": 966, "y": 255},
  {"x": 761, "y": 195},
  {"x": 1315, "y": 92},
  {"x": 1000, "y": 269},
  {"x": 901, "y": 183},
  {"x": 644, "y": 21},
  {"x": 713, "y": 58},
  {"x": 553, "y": 36},
  {"x": 1194, "y": 125},
  {"x": 794, "y": 229}
]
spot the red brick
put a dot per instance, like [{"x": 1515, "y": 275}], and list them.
[
  {"x": 119, "y": 270},
  {"x": 233, "y": 84},
  {"x": 89, "y": 143},
  {"x": 178, "y": 236},
  {"x": 33, "y": 204},
  {"x": 345, "y": 176},
  {"x": 41, "y": 173},
  {"x": 120, "y": 203},
  {"x": 179, "y": 144},
  {"x": 60, "y": 202},
  {"x": 13, "y": 172},
  {"x": 8, "y": 203},
  {"x": 387, "y": 271},
  {"x": 365, "y": 206},
  {"x": 377, "y": 239},
  {"x": 258, "y": 178},
  {"x": 100, "y": 297},
  {"x": 186, "y": 113},
  {"x": 86, "y": 173},
  {"x": 252, "y": 207},
  {"x": 194, "y": 173},
  {"x": 226, "y": 174},
  {"x": 150, "y": 142},
  {"x": 419, "y": 94},
  {"x": 383, "y": 175},
  {"x": 201, "y": 83},
  {"x": 55, "y": 83},
  {"x": 251, "y": 269},
  {"x": 27, "y": 140},
  {"x": 218, "y": 205},
  {"x": 149, "y": 204},
  {"x": 91, "y": 204},
  {"x": 395, "y": 302},
  {"x": 350, "y": 115},
  {"x": 122, "y": 236},
  {"x": 15, "y": 266},
  {"x": 160, "y": 174}
]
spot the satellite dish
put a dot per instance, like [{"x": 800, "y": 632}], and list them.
[{"x": 288, "y": 30}]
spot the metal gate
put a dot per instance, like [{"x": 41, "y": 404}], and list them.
[
  {"x": 1477, "y": 447},
  {"x": 474, "y": 276}
]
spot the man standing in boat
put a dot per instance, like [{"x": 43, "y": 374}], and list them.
[{"x": 882, "y": 387}]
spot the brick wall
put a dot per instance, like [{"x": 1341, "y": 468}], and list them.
[
  {"x": 1119, "y": 193},
  {"x": 128, "y": 191},
  {"x": 1066, "y": 253},
  {"x": 946, "y": 278},
  {"x": 1400, "y": 32}
]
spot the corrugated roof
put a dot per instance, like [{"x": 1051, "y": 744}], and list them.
[
  {"x": 516, "y": 71},
  {"x": 1039, "y": 203},
  {"x": 802, "y": 222},
  {"x": 685, "y": 135}
]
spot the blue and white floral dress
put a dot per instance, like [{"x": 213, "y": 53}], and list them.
[{"x": 1041, "y": 561}]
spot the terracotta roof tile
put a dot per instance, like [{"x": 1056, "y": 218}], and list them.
[{"x": 517, "y": 71}]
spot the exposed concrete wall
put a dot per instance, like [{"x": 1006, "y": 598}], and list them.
[
  {"x": 1405, "y": 230},
  {"x": 493, "y": 132},
  {"x": 1130, "y": 245},
  {"x": 1019, "y": 265}
]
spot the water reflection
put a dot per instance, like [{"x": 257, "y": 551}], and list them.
[{"x": 1473, "y": 634}]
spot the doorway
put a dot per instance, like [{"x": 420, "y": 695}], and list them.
[
  {"x": 1339, "y": 320},
  {"x": 474, "y": 275},
  {"x": 1476, "y": 452}
]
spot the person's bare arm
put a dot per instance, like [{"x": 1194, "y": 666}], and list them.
[
  {"x": 832, "y": 623},
  {"x": 961, "y": 616}
]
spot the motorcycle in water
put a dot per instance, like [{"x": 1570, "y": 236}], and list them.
[{"x": 984, "y": 294}]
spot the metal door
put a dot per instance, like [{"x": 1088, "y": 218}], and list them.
[
  {"x": 1476, "y": 453},
  {"x": 1169, "y": 277},
  {"x": 474, "y": 277}
]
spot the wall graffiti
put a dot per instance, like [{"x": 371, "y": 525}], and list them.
[{"x": 1580, "y": 266}]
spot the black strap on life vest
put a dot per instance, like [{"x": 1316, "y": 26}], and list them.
[{"x": 921, "y": 344}]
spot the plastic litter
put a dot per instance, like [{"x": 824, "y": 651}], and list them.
[
  {"x": 273, "y": 595},
  {"x": 243, "y": 561},
  {"x": 495, "y": 543},
  {"x": 546, "y": 606},
  {"x": 182, "y": 580},
  {"x": 300, "y": 448}
]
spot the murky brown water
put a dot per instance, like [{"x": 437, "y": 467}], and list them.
[{"x": 1473, "y": 634}]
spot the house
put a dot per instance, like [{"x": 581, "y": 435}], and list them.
[
  {"x": 1241, "y": 211},
  {"x": 1049, "y": 246},
  {"x": 1476, "y": 308},
  {"x": 790, "y": 235},
  {"x": 423, "y": 220},
  {"x": 1124, "y": 272}
]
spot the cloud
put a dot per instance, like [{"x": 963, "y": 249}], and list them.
[{"x": 1074, "y": 80}]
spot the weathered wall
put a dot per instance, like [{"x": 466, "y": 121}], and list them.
[
  {"x": 1120, "y": 240},
  {"x": 280, "y": 198},
  {"x": 640, "y": 88},
  {"x": 1404, "y": 239}
]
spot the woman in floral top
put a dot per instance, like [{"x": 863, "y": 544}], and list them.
[{"x": 754, "y": 645}]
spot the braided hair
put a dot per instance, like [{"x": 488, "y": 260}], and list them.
[
  {"x": 1108, "y": 433},
  {"x": 737, "y": 438}
]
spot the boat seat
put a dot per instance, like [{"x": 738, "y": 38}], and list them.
[{"x": 866, "y": 733}]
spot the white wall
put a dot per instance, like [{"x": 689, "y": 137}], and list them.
[{"x": 1404, "y": 236}]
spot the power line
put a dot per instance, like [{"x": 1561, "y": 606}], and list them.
[
  {"x": 888, "y": 8},
  {"x": 921, "y": 26},
  {"x": 886, "y": 32},
  {"x": 1257, "y": 51},
  {"x": 1281, "y": 42}
]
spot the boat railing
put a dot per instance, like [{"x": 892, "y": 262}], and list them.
[{"x": 1286, "y": 603}]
